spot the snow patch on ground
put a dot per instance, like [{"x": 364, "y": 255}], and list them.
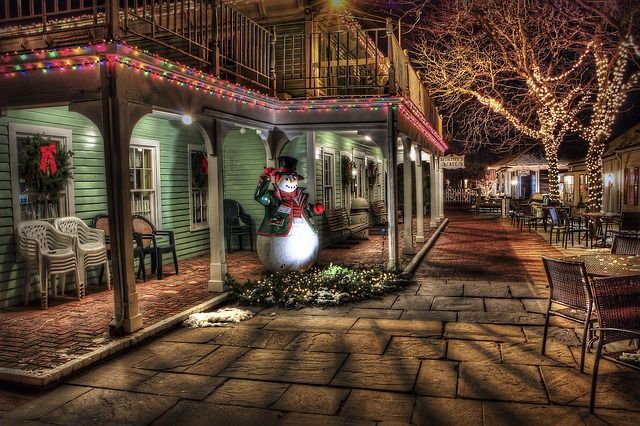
[{"x": 218, "y": 318}]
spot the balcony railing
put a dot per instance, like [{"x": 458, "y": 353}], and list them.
[
  {"x": 200, "y": 33},
  {"x": 350, "y": 62}
]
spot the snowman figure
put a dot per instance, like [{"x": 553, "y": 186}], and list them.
[{"x": 287, "y": 238}]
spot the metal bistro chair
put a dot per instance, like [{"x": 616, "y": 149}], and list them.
[
  {"x": 236, "y": 222},
  {"x": 629, "y": 225},
  {"x": 569, "y": 288},
  {"x": 557, "y": 224},
  {"x": 617, "y": 301},
  {"x": 575, "y": 225},
  {"x": 46, "y": 251},
  {"x": 147, "y": 236},
  {"x": 629, "y": 246},
  {"x": 90, "y": 247}
]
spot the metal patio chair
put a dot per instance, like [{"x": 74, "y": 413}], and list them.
[
  {"x": 236, "y": 223},
  {"x": 617, "y": 301},
  {"x": 155, "y": 242},
  {"x": 569, "y": 290},
  {"x": 90, "y": 247},
  {"x": 46, "y": 252},
  {"x": 626, "y": 245}
]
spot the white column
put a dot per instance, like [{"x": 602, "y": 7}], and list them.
[
  {"x": 433, "y": 189},
  {"x": 419, "y": 198},
  {"x": 311, "y": 165},
  {"x": 217, "y": 264},
  {"x": 441, "y": 190},
  {"x": 407, "y": 247}
]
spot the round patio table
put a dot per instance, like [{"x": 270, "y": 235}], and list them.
[{"x": 608, "y": 265}]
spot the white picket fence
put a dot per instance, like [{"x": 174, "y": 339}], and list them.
[{"x": 460, "y": 196}]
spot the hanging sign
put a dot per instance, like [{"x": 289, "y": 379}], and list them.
[{"x": 452, "y": 162}]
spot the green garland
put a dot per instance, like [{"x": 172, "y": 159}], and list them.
[
  {"x": 347, "y": 166},
  {"x": 199, "y": 171},
  {"x": 372, "y": 171},
  {"x": 329, "y": 286},
  {"x": 48, "y": 185}
]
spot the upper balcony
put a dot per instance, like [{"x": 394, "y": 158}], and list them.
[{"x": 296, "y": 60}]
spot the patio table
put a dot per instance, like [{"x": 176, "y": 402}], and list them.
[{"x": 608, "y": 265}]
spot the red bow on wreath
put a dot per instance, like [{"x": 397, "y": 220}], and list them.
[
  {"x": 204, "y": 166},
  {"x": 47, "y": 158}
]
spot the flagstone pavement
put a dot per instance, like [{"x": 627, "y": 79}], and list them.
[{"x": 460, "y": 346}]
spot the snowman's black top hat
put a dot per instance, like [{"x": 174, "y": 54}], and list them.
[{"x": 287, "y": 166}]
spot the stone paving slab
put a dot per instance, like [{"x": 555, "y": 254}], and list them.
[
  {"x": 214, "y": 363},
  {"x": 413, "y": 302},
  {"x": 312, "y": 399},
  {"x": 444, "y": 316},
  {"x": 203, "y": 413},
  {"x": 525, "y": 290},
  {"x": 229, "y": 336},
  {"x": 492, "y": 332},
  {"x": 174, "y": 356},
  {"x": 297, "y": 419},
  {"x": 504, "y": 382},
  {"x": 472, "y": 351},
  {"x": 249, "y": 393},
  {"x": 312, "y": 323},
  {"x": 417, "y": 347},
  {"x": 567, "y": 386},
  {"x": 179, "y": 385},
  {"x": 113, "y": 377},
  {"x": 384, "y": 302},
  {"x": 502, "y": 413},
  {"x": 286, "y": 366},
  {"x": 344, "y": 343},
  {"x": 105, "y": 406},
  {"x": 486, "y": 289},
  {"x": 437, "y": 378},
  {"x": 379, "y": 406},
  {"x": 440, "y": 288},
  {"x": 513, "y": 318},
  {"x": 447, "y": 412},
  {"x": 445, "y": 303},
  {"x": 375, "y": 313},
  {"x": 529, "y": 354},
  {"x": 503, "y": 305},
  {"x": 378, "y": 372},
  {"x": 414, "y": 328},
  {"x": 41, "y": 407}
]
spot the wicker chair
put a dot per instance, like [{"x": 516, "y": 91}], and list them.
[
  {"x": 46, "y": 252},
  {"x": 90, "y": 247},
  {"x": 146, "y": 236},
  {"x": 569, "y": 289},
  {"x": 625, "y": 245},
  {"x": 617, "y": 301}
]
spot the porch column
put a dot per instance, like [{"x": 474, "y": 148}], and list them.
[
  {"x": 217, "y": 265},
  {"x": 311, "y": 165},
  {"x": 408, "y": 197},
  {"x": 118, "y": 119},
  {"x": 392, "y": 191},
  {"x": 433, "y": 186},
  {"x": 419, "y": 198},
  {"x": 440, "y": 191}
]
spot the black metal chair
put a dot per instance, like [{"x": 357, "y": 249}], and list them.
[
  {"x": 558, "y": 224},
  {"x": 569, "y": 289},
  {"x": 101, "y": 221},
  {"x": 236, "y": 223},
  {"x": 626, "y": 245},
  {"x": 629, "y": 225},
  {"x": 575, "y": 225},
  {"x": 154, "y": 241},
  {"x": 617, "y": 301}
]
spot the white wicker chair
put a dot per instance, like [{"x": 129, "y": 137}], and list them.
[
  {"x": 90, "y": 246},
  {"x": 46, "y": 252}
]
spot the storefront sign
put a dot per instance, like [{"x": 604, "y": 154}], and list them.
[{"x": 452, "y": 162}]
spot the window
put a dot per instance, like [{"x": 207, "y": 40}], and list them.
[
  {"x": 143, "y": 178},
  {"x": 568, "y": 189},
  {"x": 631, "y": 186},
  {"x": 198, "y": 186},
  {"x": 328, "y": 178},
  {"x": 584, "y": 187},
  {"x": 28, "y": 206}
]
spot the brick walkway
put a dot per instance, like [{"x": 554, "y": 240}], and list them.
[{"x": 460, "y": 346}]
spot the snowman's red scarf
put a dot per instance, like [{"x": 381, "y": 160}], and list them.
[{"x": 293, "y": 200}]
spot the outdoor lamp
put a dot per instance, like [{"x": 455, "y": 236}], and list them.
[{"x": 186, "y": 119}]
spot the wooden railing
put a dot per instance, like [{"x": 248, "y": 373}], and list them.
[
  {"x": 202, "y": 33},
  {"x": 460, "y": 196}
]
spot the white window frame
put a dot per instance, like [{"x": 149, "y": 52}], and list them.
[
  {"x": 203, "y": 225},
  {"x": 156, "y": 218},
  {"x": 332, "y": 152},
  {"x": 16, "y": 129}
]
